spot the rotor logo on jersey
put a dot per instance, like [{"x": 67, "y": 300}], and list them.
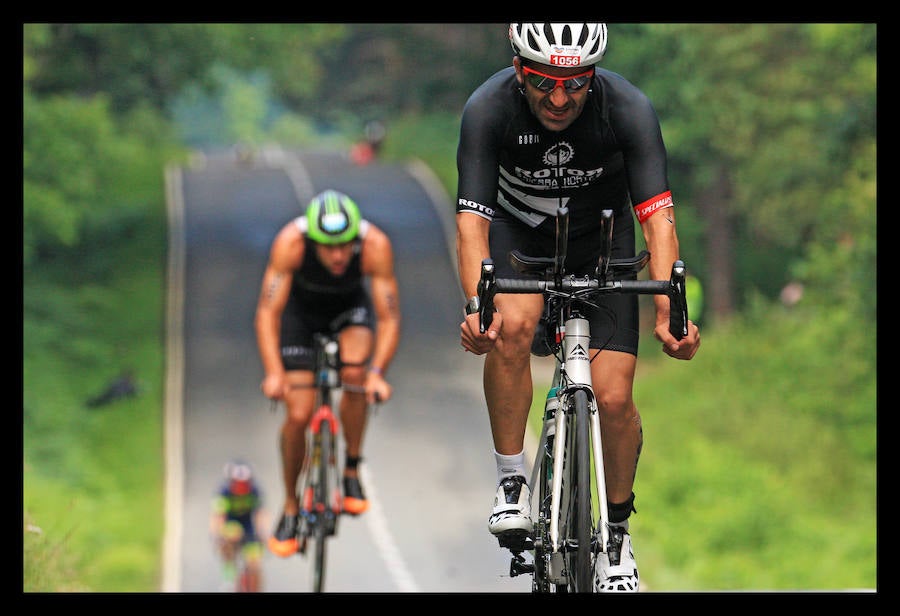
[{"x": 559, "y": 154}]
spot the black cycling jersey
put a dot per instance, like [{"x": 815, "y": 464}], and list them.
[
  {"x": 319, "y": 301},
  {"x": 611, "y": 156},
  {"x": 516, "y": 173}
]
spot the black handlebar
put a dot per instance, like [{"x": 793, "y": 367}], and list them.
[
  {"x": 673, "y": 288},
  {"x": 555, "y": 281}
]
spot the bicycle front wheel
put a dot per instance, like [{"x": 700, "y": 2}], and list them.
[
  {"x": 323, "y": 512},
  {"x": 580, "y": 524}
]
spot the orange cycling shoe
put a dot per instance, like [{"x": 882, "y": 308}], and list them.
[
  {"x": 355, "y": 502},
  {"x": 284, "y": 541}
]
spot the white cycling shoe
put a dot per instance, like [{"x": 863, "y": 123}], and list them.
[
  {"x": 616, "y": 569},
  {"x": 511, "y": 516}
]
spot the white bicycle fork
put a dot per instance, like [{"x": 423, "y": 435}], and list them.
[{"x": 576, "y": 371}]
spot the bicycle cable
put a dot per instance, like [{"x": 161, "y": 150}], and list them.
[{"x": 609, "y": 312}]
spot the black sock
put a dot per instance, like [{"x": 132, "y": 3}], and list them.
[{"x": 620, "y": 512}]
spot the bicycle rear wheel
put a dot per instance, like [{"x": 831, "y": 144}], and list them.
[
  {"x": 580, "y": 526},
  {"x": 322, "y": 504}
]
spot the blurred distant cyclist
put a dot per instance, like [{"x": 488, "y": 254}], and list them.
[
  {"x": 364, "y": 152},
  {"x": 315, "y": 282},
  {"x": 235, "y": 524}
]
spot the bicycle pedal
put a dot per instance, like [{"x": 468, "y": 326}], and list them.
[
  {"x": 518, "y": 566},
  {"x": 515, "y": 541}
]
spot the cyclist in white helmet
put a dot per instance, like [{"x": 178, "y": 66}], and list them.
[
  {"x": 315, "y": 281},
  {"x": 236, "y": 523},
  {"x": 554, "y": 129}
]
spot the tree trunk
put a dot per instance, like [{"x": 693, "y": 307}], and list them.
[{"x": 714, "y": 203}]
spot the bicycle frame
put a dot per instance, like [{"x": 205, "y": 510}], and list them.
[
  {"x": 320, "y": 485},
  {"x": 567, "y": 536},
  {"x": 571, "y": 375},
  {"x": 246, "y": 577}
]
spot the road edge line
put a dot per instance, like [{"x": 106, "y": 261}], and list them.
[{"x": 173, "y": 417}]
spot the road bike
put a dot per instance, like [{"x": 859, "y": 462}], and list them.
[
  {"x": 571, "y": 527},
  {"x": 241, "y": 571},
  {"x": 319, "y": 485}
]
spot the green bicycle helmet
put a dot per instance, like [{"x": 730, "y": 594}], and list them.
[{"x": 332, "y": 218}]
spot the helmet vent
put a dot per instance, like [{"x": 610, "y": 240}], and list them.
[{"x": 583, "y": 37}]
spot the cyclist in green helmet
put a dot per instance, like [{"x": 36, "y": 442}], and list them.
[{"x": 315, "y": 282}]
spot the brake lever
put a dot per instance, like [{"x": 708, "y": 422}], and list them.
[
  {"x": 678, "y": 311},
  {"x": 486, "y": 295}
]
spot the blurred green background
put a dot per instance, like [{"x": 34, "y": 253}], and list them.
[{"x": 759, "y": 465}]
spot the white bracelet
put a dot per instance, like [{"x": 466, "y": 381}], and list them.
[{"x": 376, "y": 371}]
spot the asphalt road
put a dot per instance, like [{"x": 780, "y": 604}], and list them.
[{"x": 428, "y": 463}]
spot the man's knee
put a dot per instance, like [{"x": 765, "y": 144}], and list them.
[
  {"x": 354, "y": 375},
  {"x": 516, "y": 338},
  {"x": 615, "y": 404},
  {"x": 296, "y": 420}
]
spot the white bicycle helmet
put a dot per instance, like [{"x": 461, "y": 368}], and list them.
[
  {"x": 570, "y": 45},
  {"x": 239, "y": 476}
]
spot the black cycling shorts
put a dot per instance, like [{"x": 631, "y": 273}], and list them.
[
  {"x": 615, "y": 324},
  {"x": 297, "y": 350}
]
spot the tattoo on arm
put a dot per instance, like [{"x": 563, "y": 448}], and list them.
[
  {"x": 393, "y": 304},
  {"x": 274, "y": 285}
]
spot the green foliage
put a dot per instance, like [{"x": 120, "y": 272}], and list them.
[
  {"x": 60, "y": 135},
  {"x": 431, "y": 138},
  {"x": 48, "y": 563},
  {"x": 131, "y": 63},
  {"x": 292, "y": 54},
  {"x": 386, "y": 71},
  {"x": 793, "y": 138},
  {"x": 238, "y": 109},
  {"x": 92, "y": 490},
  {"x": 766, "y": 464},
  {"x": 81, "y": 166},
  {"x": 245, "y": 109},
  {"x": 758, "y": 470}
]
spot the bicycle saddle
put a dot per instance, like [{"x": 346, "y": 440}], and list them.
[{"x": 530, "y": 265}]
